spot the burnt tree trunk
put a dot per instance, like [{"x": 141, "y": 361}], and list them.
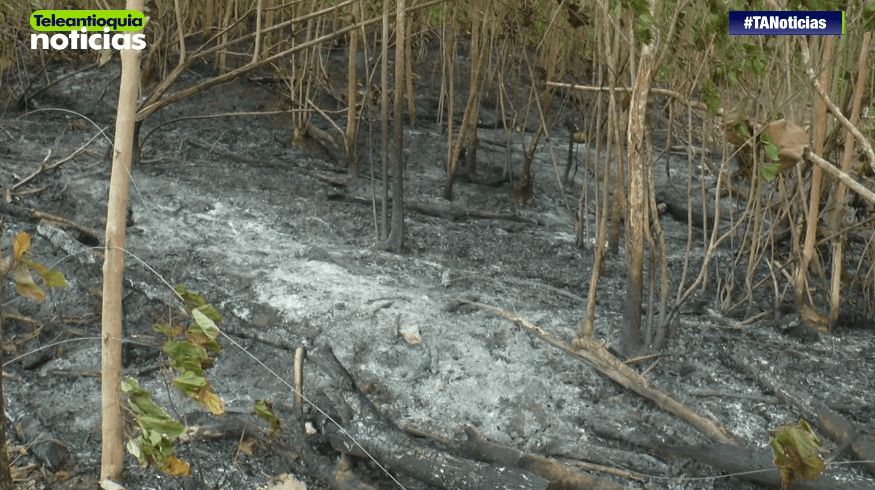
[
  {"x": 638, "y": 209},
  {"x": 395, "y": 242}
]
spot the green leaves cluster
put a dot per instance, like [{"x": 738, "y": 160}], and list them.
[
  {"x": 796, "y": 450},
  {"x": 189, "y": 349},
  {"x": 158, "y": 431},
  {"x": 771, "y": 168},
  {"x": 869, "y": 16},
  {"x": 643, "y": 24}
]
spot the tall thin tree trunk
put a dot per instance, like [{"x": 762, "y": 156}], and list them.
[
  {"x": 384, "y": 121},
  {"x": 838, "y": 201},
  {"x": 395, "y": 242},
  {"x": 352, "y": 97},
  {"x": 469, "y": 120},
  {"x": 112, "y": 434},
  {"x": 638, "y": 210},
  {"x": 800, "y": 278}
]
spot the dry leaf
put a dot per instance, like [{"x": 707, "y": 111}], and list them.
[
  {"x": 790, "y": 138},
  {"x": 247, "y": 447},
  {"x": 285, "y": 482},
  {"x": 410, "y": 334},
  {"x": 814, "y": 319}
]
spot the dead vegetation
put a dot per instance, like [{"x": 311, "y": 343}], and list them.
[{"x": 792, "y": 236}]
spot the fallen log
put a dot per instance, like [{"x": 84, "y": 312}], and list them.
[
  {"x": 450, "y": 212},
  {"x": 828, "y": 421},
  {"x": 561, "y": 477},
  {"x": 743, "y": 460},
  {"x": 752, "y": 465},
  {"x": 597, "y": 356},
  {"x": 367, "y": 434}
]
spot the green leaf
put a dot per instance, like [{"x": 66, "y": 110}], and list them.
[
  {"x": 190, "y": 383},
  {"x": 190, "y": 358},
  {"x": 192, "y": 379},
  {"x": 211, "y": 312},
  {"x": 184, "y": 353},
  {"x": 135, "y": 449},
  {"x": 772, "y": 152},
  {"x": 205, "y": 332},
  {"x": 770, "y": 171},
  {"x": 264, "y": 409},
  {"x": 733, "y": 77},
  {"x": 642, "y": 28},
  {"x": 141, "y": 403},
  {"x": 188, "y": 366},
  {"x": 711, "y": 96},
  {"x": 205, "y": 323},
  {"x": 868, "y": 16},
  {"x": 742, "y": 131},
  {"x": 130, "y": 385},
  {"x": 54, "y": 279},
  {"x": 795, "y": 449},
  {"x": 167, "y": 330},
  {"x": 162, "y": 425},
  {"x": 193, "y": 299}
]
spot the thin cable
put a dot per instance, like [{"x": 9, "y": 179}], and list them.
[
  {"x": 53, "y": 344},
  {"x": 277, "y": 376},
  {"x": 342, "y": 430}
]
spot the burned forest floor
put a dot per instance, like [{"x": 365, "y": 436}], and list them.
[{"x": 284, "y": 247}]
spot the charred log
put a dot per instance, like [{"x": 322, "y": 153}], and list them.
[{"x": 378, "y": 438}]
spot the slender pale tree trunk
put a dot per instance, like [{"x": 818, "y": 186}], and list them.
[
  {"x": 821, "y": 113},
  {"x": 839, "y": 207},
  {"x": 112, "y": 435}
]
